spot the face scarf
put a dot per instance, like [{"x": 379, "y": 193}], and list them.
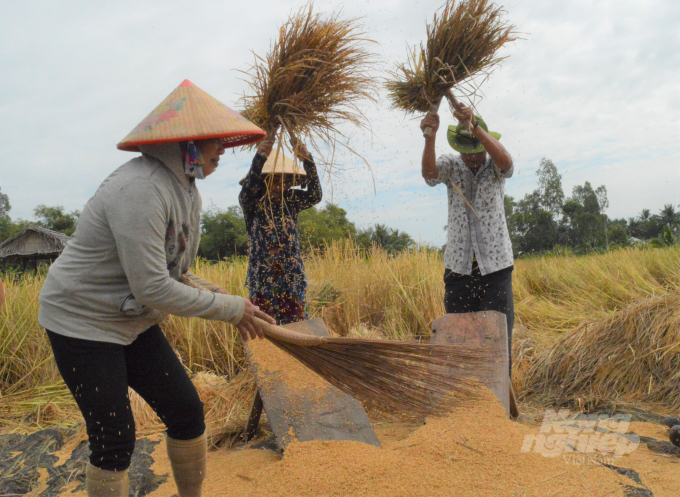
[{"x": 192, "y": 160}]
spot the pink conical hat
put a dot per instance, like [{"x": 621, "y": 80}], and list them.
[{"x": 189, "y": 113}]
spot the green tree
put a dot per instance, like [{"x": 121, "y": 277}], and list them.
[
  {"x": 5, "y": 221},
  {"x": 387, "y": 238},
  {"x": 317, "y": 227},
  {"x": 619, "y": 232},
  {"x": 648, "y": 226},
  {"x": 669, "y": 217},
  {"x": 665, "y": 238},
  {"x": 5, "y": 206},
  {"x": 535, "y": 228},
  {"x": 635, "y": 227},
  {"x": 584, "y": 219},
  {"x": 509, "y": 206},
  {"x": 550, "y": 187},
  {"x": 223, "y": 234},
  {"x": 603, "y": 203},
  {"x": 55, "y": 219}
]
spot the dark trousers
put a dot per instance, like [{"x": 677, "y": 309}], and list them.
[
  {"x": 98, "y": 375},
  {"x": 474, "y": 293}
]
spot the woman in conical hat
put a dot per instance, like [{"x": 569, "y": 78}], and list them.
[
  {"x": 276, "y": 274},
  {"x": 105, "y": 297}
]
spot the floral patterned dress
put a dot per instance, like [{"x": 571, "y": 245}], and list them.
[{"x": 276, "y": 274}]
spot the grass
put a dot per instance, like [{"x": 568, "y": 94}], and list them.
[{"x": 567, "y": 307}]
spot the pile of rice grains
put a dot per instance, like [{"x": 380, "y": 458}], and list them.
[{"x": 474, "y": 451}]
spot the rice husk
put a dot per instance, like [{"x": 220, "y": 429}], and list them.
[
  {"x": 474, "y": 452},
  {"x": 277, "y": 366}
]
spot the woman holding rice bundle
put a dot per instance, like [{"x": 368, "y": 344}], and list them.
[
  {"x": 106, "y": 295},
  {"x": 276, "y": 273}
]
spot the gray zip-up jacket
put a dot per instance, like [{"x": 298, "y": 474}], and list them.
[{"x": 136, "y": 236}]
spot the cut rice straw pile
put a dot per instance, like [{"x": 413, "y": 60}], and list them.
[
  {"x": 312, "y": 79},
  {"x": 461, "y": 43},
  {"x": 378, "y": 295},
  {"x": 632, "y": 355},
  {"x": 225, "y": 402}
]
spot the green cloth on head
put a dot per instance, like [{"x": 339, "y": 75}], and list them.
[{"x": 465, "y": 144}]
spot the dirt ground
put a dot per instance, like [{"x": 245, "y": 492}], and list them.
[{"x": 476, "y": 451}]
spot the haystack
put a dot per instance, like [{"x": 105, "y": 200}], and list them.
[
  {"x": 631, "y": 356},
  {"x": 225, "y": 402}
]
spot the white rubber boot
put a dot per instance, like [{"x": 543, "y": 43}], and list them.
[
  {"x": 105, "y": 483},
  {"x": 188, "y": 461}
]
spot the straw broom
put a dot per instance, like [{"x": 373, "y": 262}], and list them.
[
  {"x": 393, "y": 376},
  {"x": 461, "y": 44},
  {"x": 312, "y": 79}
]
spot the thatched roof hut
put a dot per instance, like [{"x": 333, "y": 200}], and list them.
[{"x": 33, "y": 244}]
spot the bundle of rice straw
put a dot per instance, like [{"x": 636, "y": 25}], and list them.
[
  {"x": 312, "y": 78},
  {"x": 461, "y": 44},
  {"x": 631, "y": 356}
]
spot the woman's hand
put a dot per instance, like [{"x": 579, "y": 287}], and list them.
[
  {"x": 249, "y": 326},
  {"x": 299, "y": 148},
  {"x": 264, "y": 147}
]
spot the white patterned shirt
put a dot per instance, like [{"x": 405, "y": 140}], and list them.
[{"x": 485, "y": 237}]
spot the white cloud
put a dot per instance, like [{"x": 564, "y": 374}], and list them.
[{"x": 594, "y": 86}]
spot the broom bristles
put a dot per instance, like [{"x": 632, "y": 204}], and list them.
[
  {"x": 392, "y": 376},
  {"x": 396, "y": 377}
]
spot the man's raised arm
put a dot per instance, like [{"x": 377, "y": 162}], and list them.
[
  {"x": 429, "y": 162},
  {"x": 494, "y": 148}
]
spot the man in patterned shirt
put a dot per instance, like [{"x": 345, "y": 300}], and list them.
[{"x": 478, "y": 257}]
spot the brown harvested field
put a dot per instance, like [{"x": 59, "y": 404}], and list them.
[
  {"x": 476, "y": 451},
  {"x": 593, "y": 332}
]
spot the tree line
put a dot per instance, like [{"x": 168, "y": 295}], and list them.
[
  {"x": 223, "y": 231},
  {"x": 545, "y": 220}
]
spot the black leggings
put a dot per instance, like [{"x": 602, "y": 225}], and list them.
[
  {"x": 98, "y": 375},
  {"x": 474, "y": 293}
]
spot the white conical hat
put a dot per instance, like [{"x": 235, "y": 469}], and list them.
[{"x": 278, "y": 163}]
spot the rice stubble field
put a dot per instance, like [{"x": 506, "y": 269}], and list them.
[{"x": 592, "y": 332}]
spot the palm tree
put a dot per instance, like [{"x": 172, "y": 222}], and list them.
[
  {"x": 389, "y": 239},
  {"x": 665, "y": 238},
  {"x": 635, "y": 227},
  {"x": 645, "y": 214},
  {"x": 668, "y": 215}
]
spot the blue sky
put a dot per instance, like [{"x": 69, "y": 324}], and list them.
[{"x": 593, "y": 85}]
